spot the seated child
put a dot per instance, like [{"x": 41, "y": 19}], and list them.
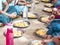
[
  {"x": 15, "y": 7},
  {"x": 54, "y": 21},
  {"x": 53, "y": 34},
  {"x": 4, "y": 16}
]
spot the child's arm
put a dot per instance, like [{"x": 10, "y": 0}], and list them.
[
  {"x": 57, "y": 36},
  {"x": 6, "y": 6},
  {"x": 56, "y": 40},
  {"x": 53, "y": 2},
  {"x": 47, "y": 40},
  {"x": 13, "y": 15},
  {"x": 0, "y": 11},
  {"x": 52, "y": 17}
]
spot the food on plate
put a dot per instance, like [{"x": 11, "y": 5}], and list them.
[
  {"x": 30, "y": 15},
  {"x": 47, "y": 9},
  {"x": 44, "y": 19},
  {"x": 49, "y": 5},
  {"x": 21, "y": 24},
  {"x": 41, "y": 32},
  {"x": 29, "y": 5},
  {"x": 45, "y": 0},
  {"x": 17, "y": 33},
  {"x": 36, "y": 1},
  {"x": 37, "y": 42}
]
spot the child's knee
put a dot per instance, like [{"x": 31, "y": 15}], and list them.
[{"x": 5, "y": 19}]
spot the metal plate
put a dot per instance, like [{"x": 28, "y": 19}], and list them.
[
  {"x": 37, "y": 2},
  {"x": 21, "y": 21},
  {"x": 35, "y": 15},
  {"x": 46, "y": 10},
  {"x": 4, "y": 33},
  {"x": 35, "y": 41},
  {"x": 39, "y": 35},
  {"x": 29, "y": 5},
  {"x": 46, "y": 5},
  {"x": 45, "y": 1},
  {"x": 42, "y": 17}
]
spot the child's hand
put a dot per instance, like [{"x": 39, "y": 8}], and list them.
[
  {"x": 51, "y": 17},
  {"x": 56, "y": 40},
  {"x": 47, "y": 37}
]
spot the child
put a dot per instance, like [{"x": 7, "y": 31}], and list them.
[
  {"x": 14, "y": 7},
  {"x": 53, "y": 33},
  {"x": 3, "y": 17},
  {"x": 54, "y": 22}
]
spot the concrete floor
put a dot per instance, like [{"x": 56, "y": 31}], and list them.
[{"x": 28, "y": 35}]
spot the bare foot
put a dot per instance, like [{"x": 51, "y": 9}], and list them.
[{"x": 13, "y": 15}]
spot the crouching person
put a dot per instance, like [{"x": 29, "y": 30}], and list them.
[{"x": 53, "y": 34}]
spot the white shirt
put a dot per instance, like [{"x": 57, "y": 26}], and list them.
[
  {"x": 12, "y": 3},
  {"x": 1, "y": 3}
]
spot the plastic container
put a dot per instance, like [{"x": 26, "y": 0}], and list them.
[
  {"x": 25, "y": 13},
  {"x": 9, "y": 35},
  {"x": 32, "y": 6}
]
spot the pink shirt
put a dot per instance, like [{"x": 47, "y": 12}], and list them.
[{"x": 57, "y": 16}]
